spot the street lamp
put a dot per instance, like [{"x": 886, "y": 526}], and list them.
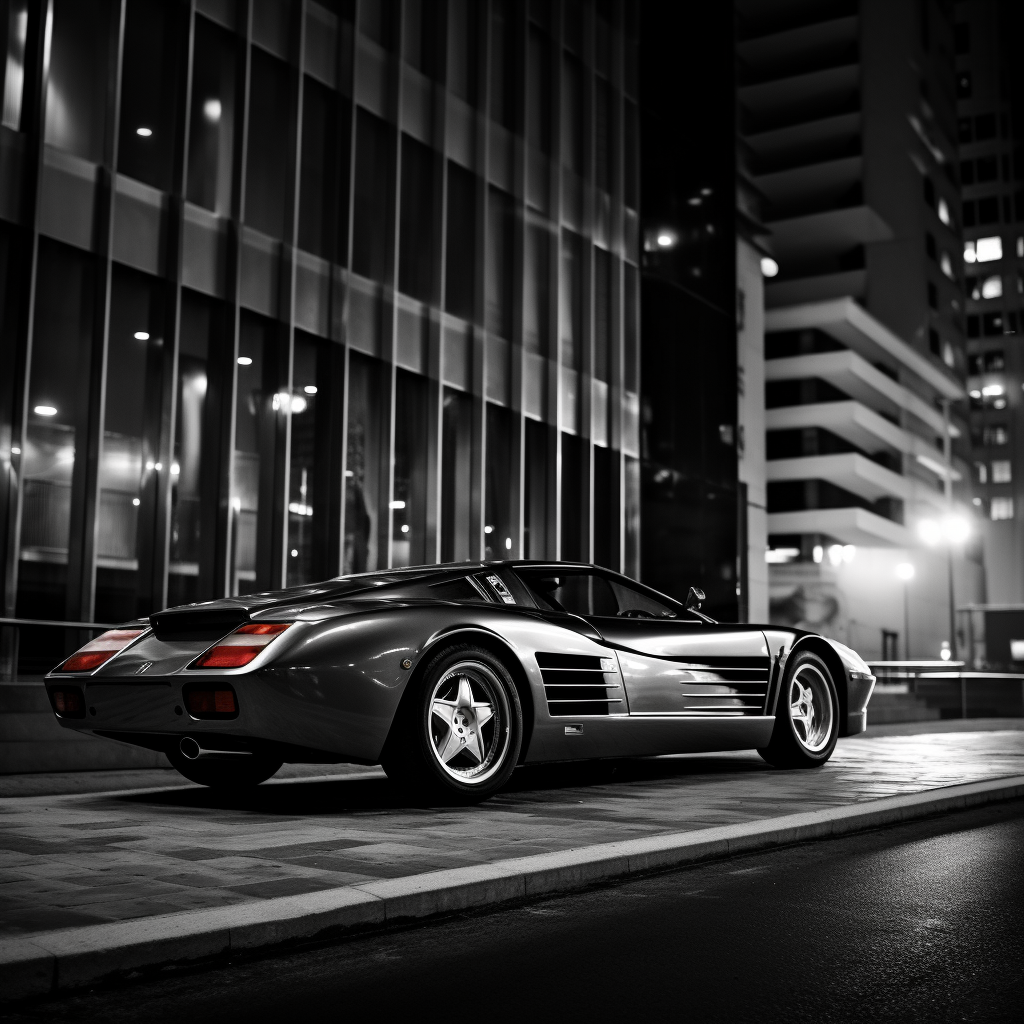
[
  {"x": 953, "y": 529},
  {"x": 905, "y": 571}
]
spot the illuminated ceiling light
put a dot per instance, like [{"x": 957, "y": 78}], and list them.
[
  {"x": 705, "y": 191},
  {"x": 488, "y": 529},
  {"x": 769, "y": 267},
  {"x": 244, "y": 361},
  {"x": 818, "y": 553},
  {"x": 991, "y": 390},
  {"x": 975, "y": 394},
  {"x": 396, "y": 504},
  {"x": 15, "y": 451},
  {"x": 150, "y": 466},
  {"x": 905, "y": 571},
  {"x": 835, "y": 554},
  {"x": 992, "y": 287},
  {"x": 212, "y": 110},
  {"x": 956, "y": 528},
  {"x": 946, "y": 265},
  {"x": 142, "y": 335},
  {"x": 849, "y": 553},
  {"x": 295, "y": 552},
  {"x": 298, "y": 403},
  {"x": 45, "y": 410},
  {"x": 175, "y": 469},
  {"x": 988, "y": 249},
  {"x": 144, "y": 132},
  {"x": 136, "y": 502},
  {"x": 970, "y": 254},
  {"x": 944, "y": 213},
  {"x": 159, "y": 466},
  {"x": 945, "y": 654},
  {"x": 310, "y": 389},
  {"x": 508, "y": 543},
  {"x": 930, "y": 531},
  {"x": 405, "y": 527},
  {"x": 665, "y": 240},
  {"x": 348, "y": 473}
]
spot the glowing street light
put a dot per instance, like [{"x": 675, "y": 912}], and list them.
[{"x": 951, "y": 530}]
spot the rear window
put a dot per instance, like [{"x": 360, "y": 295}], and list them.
[{"x": 460, "y": 590}]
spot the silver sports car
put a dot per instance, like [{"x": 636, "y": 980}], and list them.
[{"x": 451, "y": 675}]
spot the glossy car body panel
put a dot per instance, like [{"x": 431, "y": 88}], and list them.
[{"x": 330, "y": 686}]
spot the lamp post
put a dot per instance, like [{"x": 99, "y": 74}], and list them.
[
  {"x": 952, "y": 530},
  {"x": 905, "y": 571}
]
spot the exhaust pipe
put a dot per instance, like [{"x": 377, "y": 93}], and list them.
[{"x": 191, "y": 749}]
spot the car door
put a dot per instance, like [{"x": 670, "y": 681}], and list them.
[{"x": 671, "y": 664}]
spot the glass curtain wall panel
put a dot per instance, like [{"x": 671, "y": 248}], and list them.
[
  {"x": 498, "y": 542},
  {"x": 212, "y": 121},
  {"x": 412, "y": 438},
  {"x": 602, "y": 313},
  {"x": 572, "y": 497},
  {"x": 194, "y": 466},
  {"x": 606, "y": 507},
  {"x": 536, "y": 288},
  {"x": 604, "y": 154},
  {"x": 317, "y": 395},
  {"x": 460, "y": 251},
  {"x": 131, "y": 442},
  {"x": 503, "y": 100},
  {"x": 372, "y": 208},
  {"x": 323, "y": 191},
  {"x": 150, "y": 88},
  {"x": 421, "y": 36},
  {"x": 14, "y": 66},
  {"x": 631, "y": 513},
  {"x": 458, "y": 532},
  {"x": 58, "y": 407},
  {"x": 366, "y": 466},
  {"x": 630, "y": 346},
  {"x": 76, "y": 97},
  {"x": 416, "y": 221},
  {"x": 538, "y": 91},
  {"x": 498, "y": 262},
  {"x": 571, "y": 300},
  {"x": 266, "y": 189},
  {"x": 263, "y": 404},
  {"x": 379, "y": 21},
  {"x": 572, "y": 115},
  {"x": 463, "y": 47},
  {"x": 535, "y": 472}
]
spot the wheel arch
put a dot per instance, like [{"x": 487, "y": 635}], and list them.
[
  {"x": 497, "y": 646},
  {"x": 823, "y": 649}
]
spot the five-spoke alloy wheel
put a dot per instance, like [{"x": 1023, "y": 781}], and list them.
[
  {"x": 460, "y": 728},
  {"x": 806, "y": 716}
]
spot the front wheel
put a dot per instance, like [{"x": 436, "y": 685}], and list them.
[
  {"x": 807, "y": 716},
  {"x": 243, "y": 773},
  {"x": 458, "y": 733}
]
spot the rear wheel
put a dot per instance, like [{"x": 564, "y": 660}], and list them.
[
  {"x": 242, "y": 773},
  {"x": 458, "y": 734},
  {"x": 806, "y": 718}
]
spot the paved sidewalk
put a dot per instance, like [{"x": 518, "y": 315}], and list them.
[{"x": 90, "y": 858}]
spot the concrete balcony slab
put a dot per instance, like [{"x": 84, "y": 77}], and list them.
[
  {"x": 848, "y": 525},
  {"x": 852, "y": 472}
]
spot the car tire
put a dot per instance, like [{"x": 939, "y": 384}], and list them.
[
  {"x": 228, "y": 775},
  {"x": 457, "y": 736},
  {"x": 806, "y": 716}
]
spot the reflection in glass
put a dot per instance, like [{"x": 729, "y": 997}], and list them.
[
  {"x": 502, "y": 63},
  {"x": 457, "y": 527},
  {"x": 76, "y": 96},
  {"x": 262, "y": 406},
  {"x": 572, "y": 115},
  {"x": 632, "y": 516},
  {"x": 57, "y": 409},
  {"x": 606, "y": 508},
  {"x": 536, "y": 316},
  {"x": 305, "y": 503},
  {"x": 131, "y": 434},
  {"x": 212, "y": 122},
  {"x": 498, "y": 540},
  {"x": 535, "y": 472},
  {"x": 460, "y": 250},
  {"x": 538, "y": 91},
  {"x": 149, "y": 91},
  {"x": 323, "y": 192},
  {"x": 463, "y": 48},
  {"x": 571, "y": 299},
  {"x": 498, "y": 262},
  {"x": 602, "y": 313},
  {"x": 194, "y": 350},
  {"x": 572, "y": 497},
  {"x": 409, "y": 505},
  {"x": 416, "y": 228},
  {"x": 14, "y": 73},
  {"x": 364, "y": 462},
  {"x": 371, "y": 208}
]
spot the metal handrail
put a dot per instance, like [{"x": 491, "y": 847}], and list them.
[{"x": 59, "y": 623}]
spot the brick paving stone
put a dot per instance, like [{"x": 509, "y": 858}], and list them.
[{"x": 87, "y": 857}]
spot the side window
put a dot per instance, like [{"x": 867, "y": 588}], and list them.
[
  {"x": 635, "y": 604},
  {"x": 460, "y": 590},
  {"x": 578, "y": 593}
]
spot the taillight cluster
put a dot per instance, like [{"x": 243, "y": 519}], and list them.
[
  {"x": 204, "y": 703},
  {"x": 241, "y": 646},
  {"x": 68, "y": 701},
  {"x": 100, "y": 650}
]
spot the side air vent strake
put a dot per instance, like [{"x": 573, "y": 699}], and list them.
[{"x": 576, "y": 684}]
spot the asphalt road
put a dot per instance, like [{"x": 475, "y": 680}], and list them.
[{"x": 923, "y": 922}]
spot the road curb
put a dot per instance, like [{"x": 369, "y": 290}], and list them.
[{"x": 74, "y": 957}]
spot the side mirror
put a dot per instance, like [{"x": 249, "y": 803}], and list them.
[{"x": 693, "y": 600}]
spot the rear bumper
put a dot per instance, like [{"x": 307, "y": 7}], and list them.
[{"x": 295, "y": 715}]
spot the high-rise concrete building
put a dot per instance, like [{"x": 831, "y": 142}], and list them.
[
  {"x": 848, "y": 124},
  {"x": 990, "y": 110},
  {"x": 293, "y": 288}
]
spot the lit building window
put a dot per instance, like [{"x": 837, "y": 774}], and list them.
[
  {"x": 988, "y": 249},
  {"x": 947, "y": 266},
  {"x": 992, "y": 287},
  {"x": 944, "y": 213},
  {"x": 1002, "y": 471},
  {"x": 982, "y": 472},
  {"x": 1002, "y": 508}
]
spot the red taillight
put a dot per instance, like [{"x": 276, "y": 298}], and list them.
[
  {"x": 240, "y": 647},
  {"x": 68, "y": 702},
  {"x": 210, "y": 702},
  {"x": 102, "y": 649}
]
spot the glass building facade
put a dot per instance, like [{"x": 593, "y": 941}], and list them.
[{"x": 290, "y": 289}]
